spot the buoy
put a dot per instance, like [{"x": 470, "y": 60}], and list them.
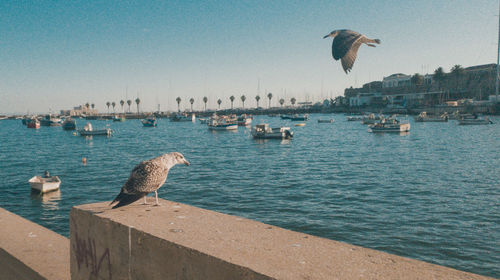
[{"x": 84, "y": 161}]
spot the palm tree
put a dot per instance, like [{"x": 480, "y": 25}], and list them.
[
  {"x": 439, "y": 77},
  {"x": 457, "y": 72},
  {"x": 219, "y": 101},
  {"x": 92, "y": 105},
  {"x": 107, "y": 104},
  {"x": 113, "y": 104},
  {"x": 191, "y": 101},
  {"x": 121, "y": 104},
  {"x": 270, "y": 96},
  {"x": 243, "y": 98},
  {"x": 257, "y": 98},
  {"x": 293, "y": 100},
  {"x": 87, "y": 105},
  {"x": 282, "y": 101},
  {"x": 205, "y": 100},
  {"x": 129, "y": 102},
  {"x": 137, "y": 101},
  {"x": 178, "y": 99},
  {"x": 232, "y": 99}
]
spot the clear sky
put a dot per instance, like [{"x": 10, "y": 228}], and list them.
[{"x": 57, "y": 54}]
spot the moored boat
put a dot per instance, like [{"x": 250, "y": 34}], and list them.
[
  {"x": 222, "y": 124},
  {"x": 45, "y": 184},
  {"x": 117, "y": 118},
  {"x": 304, "y": 117},
  {"x": 33, "y": 123},
  {"x": 424, "y": 117},
  {"x": 204, "y": 120},
  {"x": 149, "y": 122},
  {"x": 390, "y": 125},
  {"x": 477, "y": 121},
  {"x": 354, "y": 118},
  {"x": 89, "y": 131},
  {"x": 371, "y": 119},
  {"x": 183, "y": 118},
  {"x": 69, "y": 124},
  {"x": 49, "y": 120},
  {"x": 263, "y": 131},
  {"x": 325, "y": 121},
  {"x": 244, "y": 120}
]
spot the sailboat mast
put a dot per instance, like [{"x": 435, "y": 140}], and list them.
[{"x": 498, "y": 56}]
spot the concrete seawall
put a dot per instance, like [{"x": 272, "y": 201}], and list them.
[
  {"x": 30, "y": 251},
  {"x": 177, "y": 241}
]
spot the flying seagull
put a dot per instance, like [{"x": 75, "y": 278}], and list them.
[
  {"x": 346, "y": 44},
  {"x": 146, "y": 177}
]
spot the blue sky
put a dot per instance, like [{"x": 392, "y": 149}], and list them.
[{"x": 56, "y": 54}]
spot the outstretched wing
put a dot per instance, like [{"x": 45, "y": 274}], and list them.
[
  {"x": 343, "y": 42},
  {"x": 350, "y": 56}
]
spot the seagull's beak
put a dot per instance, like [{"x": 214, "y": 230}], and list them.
[
  {"x": 186, "y": 162},
  {"x": 326, "y": 36}
]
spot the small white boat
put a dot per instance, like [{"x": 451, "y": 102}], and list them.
[
  {"x": 263, "y": 131},
  {"x": 424, "y": 117},
  {"x": 325, "y": 121},
  {"x": 45, "y": 184},
  {"x": 183, "y": 118},
  {"x": 222, "y": 126},
  {"x": 244, "y": 120},
  {"x": 89, "y": 131},
  {"x": 372, "y": 119},
  {"x": 355, "y": 118},
  {"x": 222, "y": 123},
  {"x": 390, "y": 125},
  {"x": 478, "y": 121},
  {"x": 204, "y": 120}
]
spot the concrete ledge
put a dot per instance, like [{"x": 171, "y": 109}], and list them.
[
  {"x": 30, "y": 251},
  {"x": 177, "y": 241}
]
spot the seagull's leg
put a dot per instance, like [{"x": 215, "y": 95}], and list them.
[
  {"x": 145, "y": 201},
  {"x": 156, "y": 197}
]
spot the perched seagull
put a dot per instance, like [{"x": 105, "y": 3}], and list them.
[
  {"x": 146, "y": 177},
  {"x": 346, "y": 44}
]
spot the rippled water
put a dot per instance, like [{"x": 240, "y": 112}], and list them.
[{"x": 433, "y": 194}]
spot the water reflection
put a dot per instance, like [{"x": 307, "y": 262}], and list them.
[{"x": 48, "y": 201}]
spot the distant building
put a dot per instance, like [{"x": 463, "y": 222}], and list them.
[
  {"x": 396, "y": 80},
  {"x": 363, "y": 99},
  {"x": 79, "y": 110}
]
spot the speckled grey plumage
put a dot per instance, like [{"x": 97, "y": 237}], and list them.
[{"x": 148, "y": 176}]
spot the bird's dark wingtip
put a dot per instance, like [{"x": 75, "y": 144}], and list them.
[{"x": 126, "y": 199}]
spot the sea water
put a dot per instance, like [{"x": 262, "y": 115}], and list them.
[{"x": 432, "y": 194}]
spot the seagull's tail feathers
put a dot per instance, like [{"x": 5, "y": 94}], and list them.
[
  {"x": 377, "y": 41},
  {"x": 125, "y": 199}
]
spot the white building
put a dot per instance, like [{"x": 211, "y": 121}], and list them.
[
  {"x": 396, "y": 80},
  {"x": 363, "y": 99}
]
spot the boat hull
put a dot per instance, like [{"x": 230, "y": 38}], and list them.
[
  {"x": 474, "y": 122},
  {"x": 404, "y": 127},
  {"x": 103, "y": 132},
  {"x": 33, "y": 124},
  {"x": 69, "y": 125},
  {"x": 45, "y": 185},
  {"x": 223, "y": 127}
]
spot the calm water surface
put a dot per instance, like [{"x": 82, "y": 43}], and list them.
[{"x": 433, "y": 194}]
